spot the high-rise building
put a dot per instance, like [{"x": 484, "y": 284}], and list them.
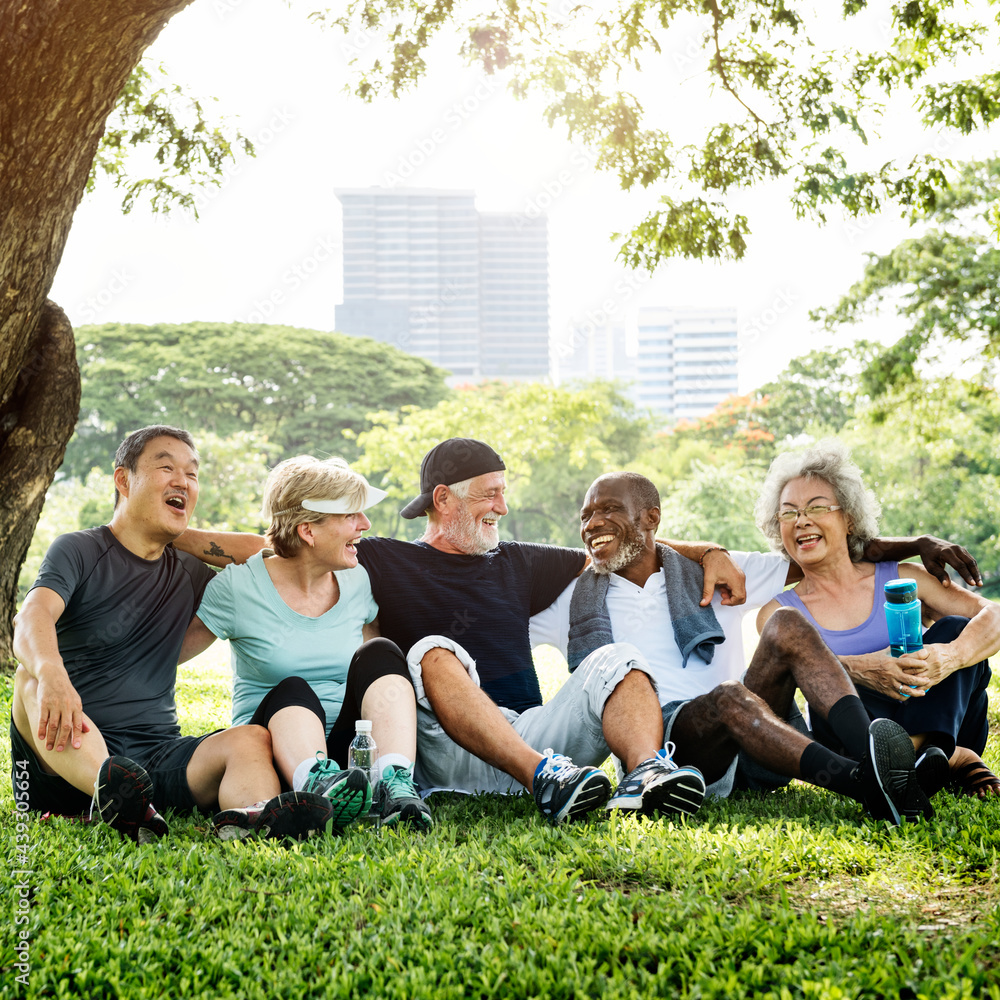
[
  {"x": 425, "y": 271},
  {"x": 688, "y": 360},
  {"x": 593, "y": 350}
]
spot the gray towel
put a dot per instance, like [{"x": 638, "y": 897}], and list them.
[{"x": 695, "y": 628}]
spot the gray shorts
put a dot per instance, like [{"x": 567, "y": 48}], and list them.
[
  {"x": 744, "y": 774},
  {"x": 570, "y": 723}
]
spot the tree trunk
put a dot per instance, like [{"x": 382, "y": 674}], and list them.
[
  {"x": 62, "y": 67},
  {"x": 36, "y": 421}
]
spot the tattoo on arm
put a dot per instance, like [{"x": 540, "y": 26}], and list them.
[{"x": 216, "y": 550}]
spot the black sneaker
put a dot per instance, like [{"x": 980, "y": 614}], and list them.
[
  {"x": 564, "y": 791},
  {"x": 122, "y": 793},
  {"x": 396, "y": 799},
  {"x": 889, "y": 785},
  {"x": 295, "y": 815},
  {"x": 659, "y": 785},
  {"x": 932, "y": 770}
]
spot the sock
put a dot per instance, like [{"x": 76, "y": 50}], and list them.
[
  {"x": 396, "y": 759},
  {"x": 849, "y": 720},
  {"x": 301, "y": 773},
  {"x": 821, "y": 766}
]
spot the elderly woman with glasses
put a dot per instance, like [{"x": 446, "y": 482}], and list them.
[
  {"x": 306, "y": 657},
  {"x": 815, "y": 508}
]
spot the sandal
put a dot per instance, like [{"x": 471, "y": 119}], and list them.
[{"x": 974, "y": 779}]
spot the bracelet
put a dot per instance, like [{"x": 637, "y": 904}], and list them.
[{"x": 711, "y": 548}]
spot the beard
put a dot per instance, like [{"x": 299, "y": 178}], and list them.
[
  {"x": 630, "y": 547},
  {"x": 469, "y": 535}
]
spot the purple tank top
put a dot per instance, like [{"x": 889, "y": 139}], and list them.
[{"x": 871, "y": 635}]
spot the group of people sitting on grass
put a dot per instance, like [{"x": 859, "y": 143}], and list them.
[{"x": 432, "y": 641}]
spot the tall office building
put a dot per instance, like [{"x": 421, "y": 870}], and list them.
[
  {"x": 593, "y": 350},
  {"x": 425, "y": 271},
  {"x": 688, "y": 360}
]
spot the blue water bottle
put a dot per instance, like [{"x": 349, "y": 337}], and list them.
[{"x": 902, "y": 615}]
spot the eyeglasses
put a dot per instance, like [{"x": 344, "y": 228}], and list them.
[{"x": 790, "y": 515}]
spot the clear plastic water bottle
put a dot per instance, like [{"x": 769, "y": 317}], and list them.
[
  {"x": 362, "y": 752},
  {"x": 902, "y": 615}
]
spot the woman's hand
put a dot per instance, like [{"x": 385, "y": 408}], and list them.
[
  {"x": 880, "y": 672},
  {"x": 934, "y": 662}
]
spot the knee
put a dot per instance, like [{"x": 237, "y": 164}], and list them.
[
  {"x": 788, "y": 632},
  {"x": 946, "y": 629},
  {"x": 252, "y": 739},
  {"x": 379, "y": 651},
  {"x": 729, "y": 698}
]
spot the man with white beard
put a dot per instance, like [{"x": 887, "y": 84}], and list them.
[{"x": 460, "y": 601}]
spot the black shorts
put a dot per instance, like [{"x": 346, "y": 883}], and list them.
[{"x": 165, "y": 760}]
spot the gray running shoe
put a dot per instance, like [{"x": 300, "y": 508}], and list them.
[
  {"x": 564, "y": 791},
  {"x": 658, "y": 785}
]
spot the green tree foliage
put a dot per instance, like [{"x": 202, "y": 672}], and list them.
[
  {"x": 715, "y": 502},
  {"x": 817, "y": 393},
  {"x": 554, "y": 442},
  {"x": 301, "y": 389},
  {"x": 930, "y": 453},
  {"x": 943, "y": 282},
  {"x": 190, "y": 152},
  {"x": 790, "y": 102}
]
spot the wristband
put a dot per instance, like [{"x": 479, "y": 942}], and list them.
[{"x": 711, "y": 548}]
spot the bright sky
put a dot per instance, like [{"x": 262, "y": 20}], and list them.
[{"x": 276, "y": 216}]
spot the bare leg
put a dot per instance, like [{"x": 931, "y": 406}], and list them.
[
  {"x": 78, "y": 766},
  {"x": 792, "y": 655},
  {"x": 710, "y": 730},
  {"x": 234, "y": 768},
  {"x": 296, "y": 735},
  {"x": 392, "y": 706},
  {"x": 632, "y": 720},
  {"x": 472, "y": 720}
]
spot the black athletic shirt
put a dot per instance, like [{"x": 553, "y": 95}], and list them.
[
  {"x": 481, "y": 602},
  {"x": 123, "y": 626}
]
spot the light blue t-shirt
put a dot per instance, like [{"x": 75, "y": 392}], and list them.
[{"x": 270, "y": 641}]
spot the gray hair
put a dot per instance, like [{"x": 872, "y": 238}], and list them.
[{"x": 831, "y": 461}]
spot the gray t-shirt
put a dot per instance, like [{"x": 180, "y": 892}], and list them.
[{"x": 121, "y": 632}]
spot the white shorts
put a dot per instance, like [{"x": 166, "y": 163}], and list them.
[{"x": 570, "y": 723}]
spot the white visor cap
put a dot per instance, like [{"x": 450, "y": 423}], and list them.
[{"x": 343, "y": 505}]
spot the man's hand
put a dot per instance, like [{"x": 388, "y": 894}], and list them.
[
  {"x": 722, "y": 574},
  {"x": 60, "y": 719},
  {"x": 880, "y": 672},
  {"x": 937, "y": 555}
]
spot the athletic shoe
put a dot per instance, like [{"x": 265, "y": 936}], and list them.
[
  {"x": 564, "y": 791},
  {"x": 889, "y": 786},
  {"x": 122, "y": 792},
  {"x": 933, "y": 771},
  {"x": 396, "y": 799},
  {"x": 659, "y": 785},
  {"x": 152, "y": 826},
  {"x": 237, "y": 824},
  {"x": 349, "y": 792},
  {"x": 295, "y": 815}
]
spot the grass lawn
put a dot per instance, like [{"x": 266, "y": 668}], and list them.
[{"x": 792, "y": 894}]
